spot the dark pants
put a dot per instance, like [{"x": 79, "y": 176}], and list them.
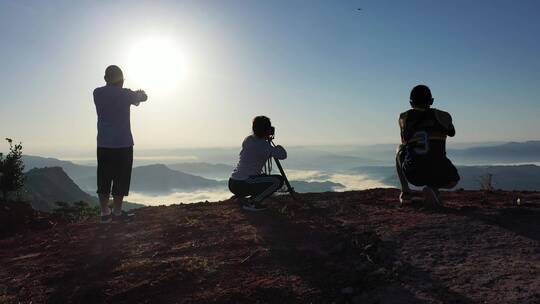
[
  {"x": 258, "y": 187},
  {"x": 435, "y": 172},
  {"x": 114, "y": 170}
]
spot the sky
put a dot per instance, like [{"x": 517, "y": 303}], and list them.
[{"x": 323, "y": 71}]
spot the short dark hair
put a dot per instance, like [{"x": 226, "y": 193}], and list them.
[
  {"x": 421, "y": 96},
  {"x": 261, "y": 126},
  {"x": 113, "y": 74}
]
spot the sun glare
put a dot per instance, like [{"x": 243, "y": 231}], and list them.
[{"x": 156, "y": 65}]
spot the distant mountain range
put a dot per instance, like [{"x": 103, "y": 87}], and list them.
[
  {"x": 75, "y": 171},
  {"x": 162, "y": 179},
  {"x": 336, "y": 158},
  {"x": 513, "y": 152},
  {"x": 346, "y": 157},
  {"x": 314, "y": 159},
  {"x": 376, "y": 162},
  {"x": 150, "y": 178},
  {"x": 213, "y": 171},
  {"x": 512, "y": 177},
  {"x": 157, "y": 179},
  {"x": 43, "y": 187}
]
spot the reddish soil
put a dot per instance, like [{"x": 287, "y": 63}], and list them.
[
  {"x": 18, "y": 217},
  {"x": 353, "y": 247}
]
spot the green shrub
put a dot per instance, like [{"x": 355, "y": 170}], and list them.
[
  {"x": 11, "y": 170},
  {"x": 75, "y": 212}
]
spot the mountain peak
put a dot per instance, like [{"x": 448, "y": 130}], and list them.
[
  {"x": 51, "y": 184},
  {"x": 50, "y": 170}
]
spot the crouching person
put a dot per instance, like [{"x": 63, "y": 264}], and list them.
[
  {"x": 247, "y": 181},
  {"x": 421, "y": 159}
]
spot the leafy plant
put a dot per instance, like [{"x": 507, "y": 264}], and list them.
[
  {"x": 11, "y": 170},
  {"x": 76, "y": 211}
]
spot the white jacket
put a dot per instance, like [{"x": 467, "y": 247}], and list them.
[{"x": 254, "y": 154}]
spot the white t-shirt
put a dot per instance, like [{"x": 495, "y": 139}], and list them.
[
  {"x": 254, "y": 154},
  {"x": 113, "y": 110}
]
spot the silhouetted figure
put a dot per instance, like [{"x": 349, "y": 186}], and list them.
[
  {"x": 247, "y": 179},
  {"x": 421, "y": 158},
  {"x": 114, "y": 142}
]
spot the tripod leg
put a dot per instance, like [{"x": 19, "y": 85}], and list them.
[
  {"x": 286, "y": 180},
  {"x": 289, "y": 187}
]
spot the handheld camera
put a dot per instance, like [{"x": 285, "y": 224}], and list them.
[{"x": 271, "y": 133}]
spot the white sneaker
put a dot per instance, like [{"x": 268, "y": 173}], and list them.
[
  {"x": 405, "y": 198},
  {"x": 106, "y": 219}
]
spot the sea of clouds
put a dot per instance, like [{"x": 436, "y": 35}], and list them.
[{"x": 350, "y": 182}]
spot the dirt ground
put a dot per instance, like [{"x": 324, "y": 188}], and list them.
[{"x": 352, "y": 247}]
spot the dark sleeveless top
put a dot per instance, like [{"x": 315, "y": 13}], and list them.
[{"x": 424, "y": 132}]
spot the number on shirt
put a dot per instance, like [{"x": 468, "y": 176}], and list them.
[{"x": 421, "y": 140}]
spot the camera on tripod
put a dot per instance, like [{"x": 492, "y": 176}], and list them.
[{"x": 271, "y": 133}]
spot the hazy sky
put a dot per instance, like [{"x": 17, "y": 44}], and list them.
[{"x": 324, "y": 72}]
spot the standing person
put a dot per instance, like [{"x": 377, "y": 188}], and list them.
[
  {"x": 421, "y": 158},
  {"x": 247, "y": 179},
  {"x": 114, "y": 142}
]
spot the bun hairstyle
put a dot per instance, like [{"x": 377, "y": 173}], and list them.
[
  {"x": 113, "y": 75},
  {"x": 261, "y": 126},
  {"x": 421, "y": 96}
]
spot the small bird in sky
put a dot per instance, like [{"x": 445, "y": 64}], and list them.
[{"x": 358, "y": 9}]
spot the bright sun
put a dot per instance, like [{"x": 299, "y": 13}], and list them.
[{"x": 156, "y": 65}]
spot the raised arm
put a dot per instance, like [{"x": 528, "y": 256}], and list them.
[
  {"x": 136, "y": 97},
  {"x": 446, "y": 121},
  {"x": 402, "y": 127},
  {"x": 142, "y": 95}
]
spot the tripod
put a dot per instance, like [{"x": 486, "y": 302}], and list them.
[{"x": 290, "y": 188}]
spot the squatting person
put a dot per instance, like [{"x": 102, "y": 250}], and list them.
[
  {"x": 421, "y": 159},
  {"x": 114, "y": 142},
  {"x": 247, "y": 181}
]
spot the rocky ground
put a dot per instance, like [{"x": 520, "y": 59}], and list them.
[{"x": 351, "y": 247}]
